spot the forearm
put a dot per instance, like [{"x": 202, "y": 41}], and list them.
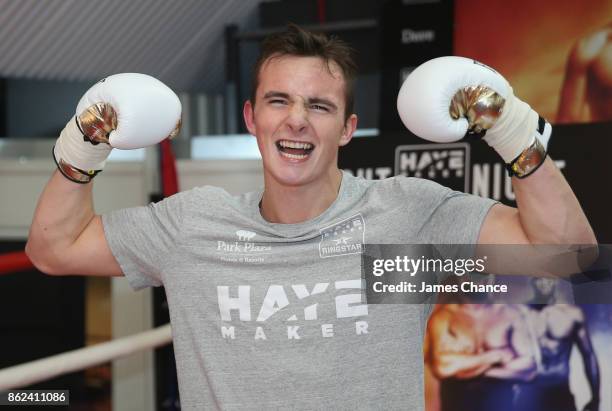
[
  {"x": 463, "y": 365},
  {"x": 64, "y": 210},
  {"x": 522, "y": 368},
  {"x": 591, "y": 369},
  {"x": 548, "y": 210}
]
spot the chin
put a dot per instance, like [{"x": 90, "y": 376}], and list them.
[{"x": 291, "y": 179}]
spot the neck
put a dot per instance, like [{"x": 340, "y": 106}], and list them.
[{"x": 296, "y": 204}]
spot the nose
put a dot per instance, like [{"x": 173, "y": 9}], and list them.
[{"x": 297, "y": 119}]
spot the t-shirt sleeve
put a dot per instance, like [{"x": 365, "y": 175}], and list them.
[
  {"x": 143, "y": 238},
  {"x": 431, "y": 214},
  {"x": 453, "y": 222},
  {"x": 438, "y": 214},
  {"x": 457, "y": 218}
]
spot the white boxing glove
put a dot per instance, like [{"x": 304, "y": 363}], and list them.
[
  {"x": 446, "y": 98},
  {"x": 124, "y": 111}
]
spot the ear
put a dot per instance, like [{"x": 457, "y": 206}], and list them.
[
  {"x": 248, "y": 112},
  {"x": 349, "y": 128}
]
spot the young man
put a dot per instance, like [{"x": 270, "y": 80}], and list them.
[{"x": 265, "y": 289}]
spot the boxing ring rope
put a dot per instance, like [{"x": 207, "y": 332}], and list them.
[
  {"x": 14, "y": 261},
  {"x": 32, "y": 372},
  {"x": 40, "y": 370}
]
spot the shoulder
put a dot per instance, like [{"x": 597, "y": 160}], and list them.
[
  {"x": 209, "y": 195},
  {"x": 514, "y": 312},
  {"x": 572, "y": 311},
  {"x": 567, "y": 311},
  {"x": 406, "y": 187},
  {"x": 203, "y": 202},
  {"x": 412, "y": 183},
  {"x": 442, "y": 314}
]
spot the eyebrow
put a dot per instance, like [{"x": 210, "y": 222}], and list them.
[
  {"x": 272, "y": 94},
  {"x": 310, "y": 100},
  {"x": 324, "y": 101}
]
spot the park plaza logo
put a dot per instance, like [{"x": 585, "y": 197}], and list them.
[
  {"x": 343, "y": 238},
  {"x": 448, "y": 164},
  {"x": 243, "y": 249}
]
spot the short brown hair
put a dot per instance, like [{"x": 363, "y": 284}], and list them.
[{"x": 295, "y": 41}]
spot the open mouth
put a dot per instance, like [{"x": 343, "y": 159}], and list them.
[{"x": 296, "y": 150}]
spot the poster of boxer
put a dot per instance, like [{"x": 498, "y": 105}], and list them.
[
  {"x": 560, "y": 60},
  {"x": 540, "y": 356}
]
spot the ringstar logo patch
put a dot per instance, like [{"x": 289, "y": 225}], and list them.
[
  {"x": 447, "y": 164},
  {"x": 343, "y": 238}
]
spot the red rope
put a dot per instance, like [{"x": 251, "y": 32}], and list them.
[
  {"x": 169, "y": 176},
  {"x": 14, "y": 262}
]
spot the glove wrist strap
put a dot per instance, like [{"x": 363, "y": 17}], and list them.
[
  {"x": 528, "y": 161},
  {"x": 72, "y": 173}
]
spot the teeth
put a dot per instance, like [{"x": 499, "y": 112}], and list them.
[
  {"x": 295, "y": 144},
  {"x": 294, "y": 156}
]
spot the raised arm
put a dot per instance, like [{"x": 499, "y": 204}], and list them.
[
  {"x": 447, "y": 98},
  {"x": 124, "y": 111},
  {"x": 66, "y": 236}
]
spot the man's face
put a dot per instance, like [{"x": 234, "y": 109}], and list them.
[{"x": 298, "y": 119}]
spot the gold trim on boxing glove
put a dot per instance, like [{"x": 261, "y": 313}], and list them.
[
  {"x": 72, "y": 173},
  {"x": 480, "y": 105},
  {"x": 97, "y": 122},
  {"x": 177, "y": 129},
  {"x": 528, "y": 161}
]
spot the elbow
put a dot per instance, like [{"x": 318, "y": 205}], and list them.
[
  {"x": 571, "y": 255},
  {"x": 42, "y": 260},
  {"x": 581, "y": 234},
  {"x": 588, "y": 256},
  {"x": 587, "y": 237},
  {"x": 441, "y": 370}
]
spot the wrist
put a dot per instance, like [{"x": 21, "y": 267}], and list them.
[
  {"x": 514, "y": 130},
  {"x": 528, "y": 161},
  {"x": 75, "y": 153},
  {"x": 72, "y": 173},
  {"x": 520, "y": 137}
]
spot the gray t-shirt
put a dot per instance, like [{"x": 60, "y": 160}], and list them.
[{"x": 271, "y": 315}]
